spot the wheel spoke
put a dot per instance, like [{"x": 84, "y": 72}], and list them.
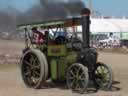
[
  {"x": 37, "y": 73},
  {"x": 72, "y": 83},
  {"x": 35, "y": 61},
  {"x": 97, "y": 71},
  {"x": 77, "y": 87},
  {"x": 82, "y": 74},
  {"x": 36, "y": 64},
  {"x": 71, "y": 78},
  {"x": 34, "y": 68},
  {"x": 106, "y": 72},
  {"x": 72, "y": 73},
  {"x": 103, "y": 76},
  {"x": 103, "y": 69},
  {"x": 35, "y": 80},
  {"x": 104, "y": 80},
  {"x": 75, "y": 70},
  {"x": 27, "y": 63},
  {"x": 82, "y": 84},
  {"x": 32, "y": 59},
  {"x": 27, "y": 73},
  {"x": 77, "y": 79},
  {"x": 78, "y": 71}
]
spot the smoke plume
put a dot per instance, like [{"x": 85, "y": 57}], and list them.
[
  {"x": 53, "y": 9},
  {"x": 45, "y": 10}
]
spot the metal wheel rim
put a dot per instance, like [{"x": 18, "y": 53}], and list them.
[
  {"x": 31, "y": 70},
  {"x": 77, "y": 78},
  {"x": 103, "y": 76}
]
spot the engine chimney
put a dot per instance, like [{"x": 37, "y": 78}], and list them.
[{"x": 85, "y": 21}]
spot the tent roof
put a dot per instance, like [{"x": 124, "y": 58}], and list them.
[{"x": 109, "y": 25}]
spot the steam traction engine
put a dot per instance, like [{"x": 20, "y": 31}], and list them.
[{"x": 62, "y": 58}]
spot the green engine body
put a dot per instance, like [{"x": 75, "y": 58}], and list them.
[{"x": 60, "y": 58}]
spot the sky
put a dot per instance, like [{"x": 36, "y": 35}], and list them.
[
  {"x": 111, "y": 7},
  {"x": 103, "y": 7},
  {"x": 21, "y": 5}
]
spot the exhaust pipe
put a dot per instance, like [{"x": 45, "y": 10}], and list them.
[{"x": 85, "y": 21}]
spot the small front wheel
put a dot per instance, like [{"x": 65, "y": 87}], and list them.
[
  {"x": 103, "y": 76},
  {"x": 77, "y": 77}
]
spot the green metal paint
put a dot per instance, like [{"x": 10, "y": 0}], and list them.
[
  {"x": 53, "y": 69},
  {"x": 57, "y": 50},
  {"x": 62, "y": 68},
  {"x": 60, "y": 61},
  {"x": 71, "y": 57}
]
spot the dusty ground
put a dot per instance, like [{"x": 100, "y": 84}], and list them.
[{"x": 11, "y": 83}]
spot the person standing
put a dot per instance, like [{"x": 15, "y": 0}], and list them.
[{"x": 38, "y": 36}]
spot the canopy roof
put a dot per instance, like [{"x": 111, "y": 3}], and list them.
[
  {"x": 97, "y": 24},
  {"x": 53, "y": 23}
]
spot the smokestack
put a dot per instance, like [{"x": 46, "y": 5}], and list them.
[{"x": 85, "y": 20}]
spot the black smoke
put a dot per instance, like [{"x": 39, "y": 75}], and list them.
[
  {"x": 45, "y": 10},
  {"x": 8, "y": 19},
  {"x": 53, "y": 9}
]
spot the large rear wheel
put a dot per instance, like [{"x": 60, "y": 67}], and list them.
[
  {"x": 34, "y": 68},
  {"x": 77, "y": 77},
  {"x": 103, "y": 76}
]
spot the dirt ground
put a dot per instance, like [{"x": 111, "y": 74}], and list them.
[{"x": 11, "y": 83}]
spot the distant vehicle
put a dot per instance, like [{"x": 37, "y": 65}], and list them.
[{"x": 109, "y": 42}]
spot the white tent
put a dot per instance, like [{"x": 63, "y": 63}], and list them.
[
  {"x": 122, "y": 24},
  {"x": 107, "y": 25},
  {"x": 103, "y": 25}
]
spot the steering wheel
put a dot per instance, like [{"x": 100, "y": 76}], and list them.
[{"x": 61, "y": 40}]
